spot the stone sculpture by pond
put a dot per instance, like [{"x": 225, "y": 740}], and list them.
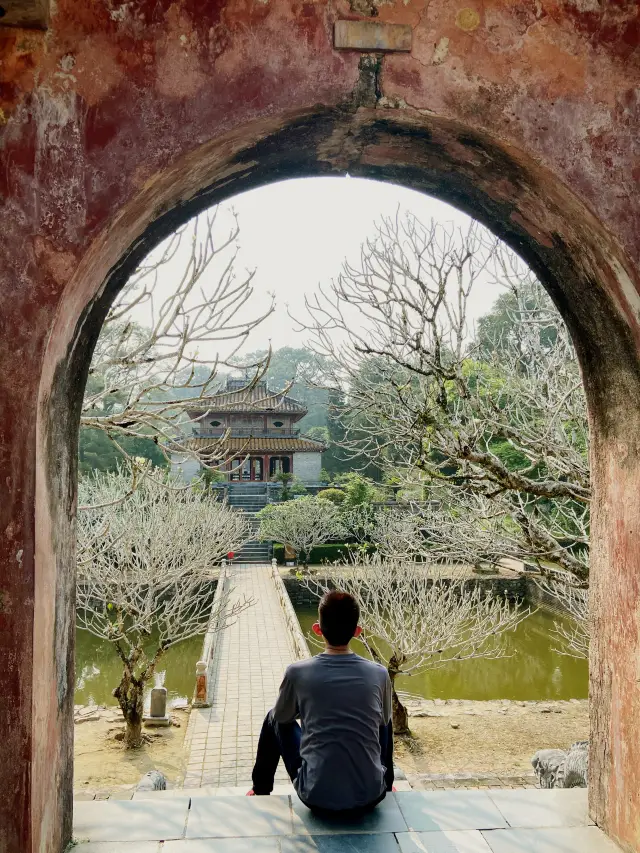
[
  {"x": 153, "y": 780},
  {"x": 558, "y": 769}
]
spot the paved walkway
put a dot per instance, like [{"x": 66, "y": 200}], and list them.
[{"x": 250, "y": 658}]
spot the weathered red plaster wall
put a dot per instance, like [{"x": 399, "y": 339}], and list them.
[{"x": 97, "y": 115}]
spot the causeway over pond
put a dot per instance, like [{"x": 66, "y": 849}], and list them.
[{"x": 245, "y": 674}]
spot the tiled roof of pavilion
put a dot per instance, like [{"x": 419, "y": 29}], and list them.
[
  {"x": 255, "y": 399},
  {"x": 285, "y": 444}
]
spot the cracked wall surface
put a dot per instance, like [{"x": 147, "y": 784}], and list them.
[{"x": 125, "y": 116}]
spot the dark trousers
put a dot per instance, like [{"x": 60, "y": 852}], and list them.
[{"x": 282, "y": 741}]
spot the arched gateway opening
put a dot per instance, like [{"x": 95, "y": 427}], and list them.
[
  {"x": 123, "y": 120},
  {"x": 564, "y": 244}
]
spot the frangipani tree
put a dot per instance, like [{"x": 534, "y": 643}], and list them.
[
  {"x": 416, "y": 617},
  {"x": 399, "y": 534},
  {"x": 573, "y": 639},
  {"x": 301, "y": 524},
  {"x": 490, "y": 422},
  {"x": 147, "y": 557},
  {"x": 160, "y": 350}
]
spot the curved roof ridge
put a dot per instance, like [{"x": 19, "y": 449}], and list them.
[{"x": 250, "y": 399}]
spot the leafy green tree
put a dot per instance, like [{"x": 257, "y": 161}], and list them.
[
  {"x": 499, "y": 330},
  {"x": 299, "y": 368},
  {"x": 358, "y": 491},
  {"x": 319, "y": 433},
  {"x": 340, "y": 458},
  {"x": 97, "y": 452}
]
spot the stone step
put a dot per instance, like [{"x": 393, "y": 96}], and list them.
[
  {"x": 233, "y": 499},
  {"x": 232, "y": 791},
  {"x": 530, "y": 821},
  {"x": 247, "y": 496},
  {"x": 251, "y": 557},
  {"x": 226, "y": 791},
  {"x": 248, "y": 506},
  {"x": 254, "y": 553}
]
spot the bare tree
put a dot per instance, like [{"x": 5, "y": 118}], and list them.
[
  {"x": 495, "y": 430},
  {"x": 301, "y": 524},
  {"x": 415, "y": 617},
  {"x": 147, "y": 558},
  {"x": 400, "y": 534},
  {"x": 159, "y": 352},
  {"x": 573, "y": 639},
  {"x": 424, "y": 533}
]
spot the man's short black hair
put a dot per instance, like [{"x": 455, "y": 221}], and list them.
[{"x": 338, "y": 615}]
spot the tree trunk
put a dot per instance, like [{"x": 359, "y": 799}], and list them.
[
  {"x": 303, "y": 557},
  {"x": 129, "y": 694},
  {"x": 133, "y": 732},
  {"x": 400, "y": 714}
]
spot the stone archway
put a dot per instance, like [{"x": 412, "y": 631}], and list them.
[
  {"x": 573, "y": 256},
  {"x": 121, "y": 123}
]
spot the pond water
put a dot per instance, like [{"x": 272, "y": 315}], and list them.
[
  {"x": 533, "y": 670},
  {"x": 98, "y": 670}
]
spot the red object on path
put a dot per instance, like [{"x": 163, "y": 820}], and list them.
[{"x": 230, "y": 555}]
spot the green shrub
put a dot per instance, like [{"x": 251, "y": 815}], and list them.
[
  {"x": 326, "y": 553},
  {"x": 358, "y": 490},
  {"x": 336, "y": 496},
  {"x": 298, "y": 487}
]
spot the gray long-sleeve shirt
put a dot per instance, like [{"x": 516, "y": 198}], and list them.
[{"x": 341, "y": 700}]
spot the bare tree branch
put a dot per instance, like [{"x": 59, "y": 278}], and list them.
[
  {"x": 145, "y": 380},
  {"x": 573, "y": 639},
  {"x": 415, "y": 617},
  {"x": 145, "y": 570},
  {"x": 301, "y": 524},
  {"x": 492, "y": 427}
]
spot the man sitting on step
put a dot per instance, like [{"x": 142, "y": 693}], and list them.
[{"x": 340, "y": 756}]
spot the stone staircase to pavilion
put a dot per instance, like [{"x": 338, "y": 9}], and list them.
[{"x": 250, "y": 498}]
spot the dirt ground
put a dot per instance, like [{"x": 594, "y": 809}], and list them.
[
  {"x": 103, "y": 764},
  {"x": 492, "y": 740},
  {"x": 464, "y": 738}
]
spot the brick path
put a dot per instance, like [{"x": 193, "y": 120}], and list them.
[{"x": 250, "y": 659}]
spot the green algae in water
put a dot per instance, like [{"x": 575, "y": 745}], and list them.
[
  {"x": 98, "y": 670},
  {"x": 532, "y": 671}
]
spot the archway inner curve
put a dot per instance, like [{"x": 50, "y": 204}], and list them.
[{"x": 575, "y": 258}]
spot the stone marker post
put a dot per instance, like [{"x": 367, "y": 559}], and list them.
[{"x": 158, "y": 710}]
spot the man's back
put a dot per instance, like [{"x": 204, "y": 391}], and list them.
[{"x": 342, "y": 701}]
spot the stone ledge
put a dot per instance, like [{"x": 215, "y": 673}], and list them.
[{"x": 472, "y": 707}]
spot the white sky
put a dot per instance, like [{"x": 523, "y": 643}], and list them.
[{"x": 297, "y": 233}]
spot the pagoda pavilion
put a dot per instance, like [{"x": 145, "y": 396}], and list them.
[{"x": 253, "y": 429}]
